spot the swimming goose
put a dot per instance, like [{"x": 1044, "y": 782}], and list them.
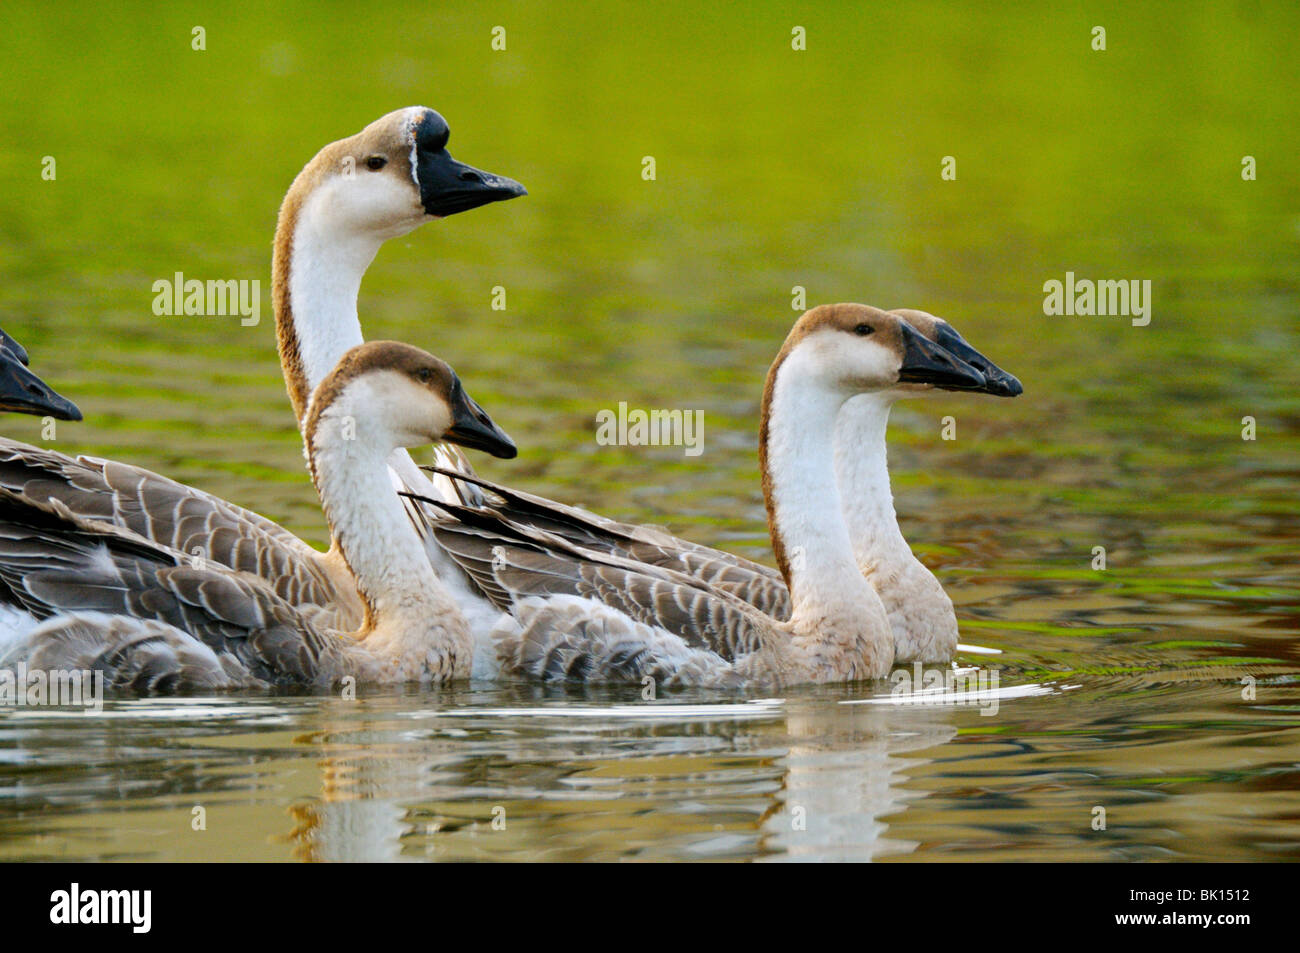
[
  {"x": 920, "y": 612},
  {"x": 355, "y": 194},
  {"x": 579, "y": 613},
  {"x": 22, "y": 392},
  {"x": 150, "y": 618}
]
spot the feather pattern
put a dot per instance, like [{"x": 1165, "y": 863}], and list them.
[
  {"x": 198, "y": 525},
  {"x": 674, "y": 618},
  {"x": 760, "y": 586},
  {"x": 55, "y": 564},
  {"x": 142, "y": 656}
]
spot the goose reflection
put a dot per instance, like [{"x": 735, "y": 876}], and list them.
[{"x": 529, "y": 773}]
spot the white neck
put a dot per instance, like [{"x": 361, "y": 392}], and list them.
[
  {"x": 920, "y": 612},
  {"x": 832, "y": 602},
  {"x": 412, "y": 620},
  {"x": 326, "y": 264},
  {"x": 325, "y": 270},
  {"x": 862, "y": 473}
]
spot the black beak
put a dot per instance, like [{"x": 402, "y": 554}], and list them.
[
  {"x": 448, "y": 186},
  {"x": 472, "y": 427},
  {"x": 925, "y": 362},
  {"x": 13, "y": 347},
  {"x": 999, "y": 382},
  {"x": 23, "y": 392}
]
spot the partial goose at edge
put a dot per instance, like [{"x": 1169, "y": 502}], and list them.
[{"x": 22, "y": 392}]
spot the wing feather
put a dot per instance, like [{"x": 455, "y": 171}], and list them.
[
  {"x": 179, "y": 518},
  {"x": 53, "y": 562},
  {"x": 760, "y": 586}
]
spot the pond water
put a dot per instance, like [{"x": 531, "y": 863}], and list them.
[{"x": 1163, "y": 689}]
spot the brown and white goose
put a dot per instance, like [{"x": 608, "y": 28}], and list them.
[
  {"x": 920, "y": 612},
  {"x": 355, "y": 194},
  {"x": 331, "y": 225},
  {"x": 580, "y": 613},
  {"x": 100, "y": 597}
]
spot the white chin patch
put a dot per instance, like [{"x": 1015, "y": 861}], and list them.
[{"x": 410, "y": 131}]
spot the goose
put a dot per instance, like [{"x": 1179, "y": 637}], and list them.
[
  {"x": 920, "y": 612},
  {"x": 151, "y": 619},
  {"x": 573, "y": 612},
  {"x": 22, "y": 392},
  {"x": 356, "y": 193}
]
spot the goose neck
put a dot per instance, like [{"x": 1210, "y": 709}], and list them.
[
  {"x": 920, "y": 612},
  {"x": 862, "y": 475},
  {"x": 317, "y": 269},
  {"x": 796, "y": 449},
  {"x": 409, "y": 614}
]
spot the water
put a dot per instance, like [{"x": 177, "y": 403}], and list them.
[{"x": 1119, "y": 689}]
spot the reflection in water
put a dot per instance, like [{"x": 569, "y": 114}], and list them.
[
  {"x": 1185, "y": 766},
  {"x": 843, "y": 778},
  {"x": 358, "y": 818},
  {"x": 835, "y": 775},
  {"x": 838, "y": 775}
]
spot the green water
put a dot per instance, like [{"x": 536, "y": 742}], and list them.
[{"x": 775, "y": 168}]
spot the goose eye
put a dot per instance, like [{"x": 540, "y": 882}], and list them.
[
  {"x": 862, "y": 330},
  {"x": 424, "y": 375},
  {"x": 375, "y": 163}
]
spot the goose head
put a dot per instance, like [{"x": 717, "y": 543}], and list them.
[
  {"x": 23, "y": 392},
  {"x": 855, "y": 348},
  {"x": 396, "y": 174},
  {"x": 397, "y": 395},
  {"x": 998, "y": 382}
]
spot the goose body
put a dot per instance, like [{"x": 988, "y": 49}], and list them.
[
  {"x": 605, "y": 614},
  {"x": 152, "y": 618},
  {"x": 920, "y": 612}
]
